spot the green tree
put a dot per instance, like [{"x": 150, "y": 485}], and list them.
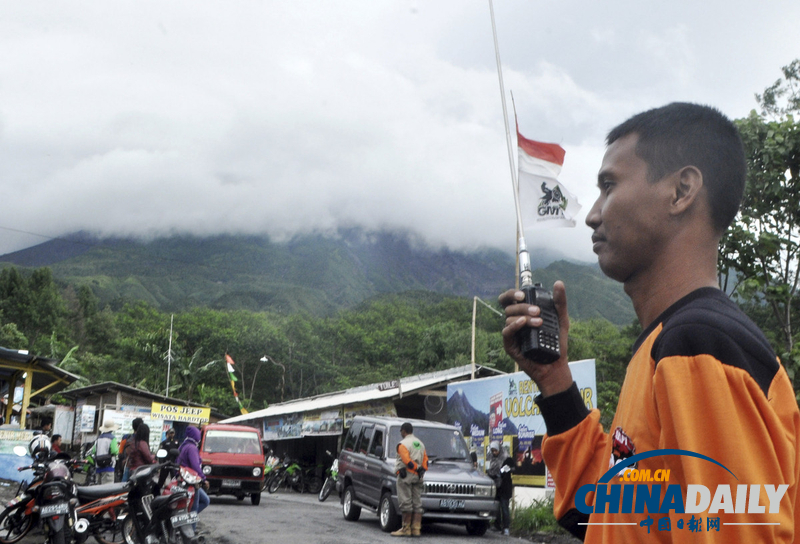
[
  {"x": 761, "y": 251},
  {"x": 11, "y": 337},
  {"x": 34, "y": 304},
  {"x": 782, "y": 97},
  {"x": 610, "y": 347}
]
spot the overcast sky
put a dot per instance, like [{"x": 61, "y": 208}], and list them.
[{"x": 153, "y": 118}]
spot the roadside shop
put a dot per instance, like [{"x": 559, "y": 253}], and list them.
[
  {"x": 307, "y": 429},
  {"x": 122, "y": 404}
]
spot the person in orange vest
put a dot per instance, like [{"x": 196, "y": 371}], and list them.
[{"x": 410, "y": 466}]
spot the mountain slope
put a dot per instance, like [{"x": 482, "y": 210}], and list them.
[{"x": 309, "y": 273}]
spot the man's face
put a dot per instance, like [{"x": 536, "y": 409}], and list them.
[{"x": 630, "y": 217}]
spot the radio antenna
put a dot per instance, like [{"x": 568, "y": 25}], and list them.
[{"x": 525, "y": 275}]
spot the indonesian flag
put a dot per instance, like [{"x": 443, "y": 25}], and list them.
[{"x": 544, "y": 201}]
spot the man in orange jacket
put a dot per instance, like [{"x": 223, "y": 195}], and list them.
[
  {"x": 703, "y": 384},
  {"x": 410, "y": 466}
]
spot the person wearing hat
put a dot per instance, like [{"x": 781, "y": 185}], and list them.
[
  {"x": 171, "y": 444},
  {"x": 104, "y": 451},
  {"x": 499, "y": 466}
]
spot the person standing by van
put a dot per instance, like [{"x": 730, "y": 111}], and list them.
[{"x": 410, "y": 466}]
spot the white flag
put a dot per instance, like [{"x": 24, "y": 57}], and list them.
[{"x": 544, "y": 201}]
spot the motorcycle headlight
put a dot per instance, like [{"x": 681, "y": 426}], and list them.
[
  {"x": 485, "y": 491},
  {"x": 257, "y": 471},
  {"x": 207, "y": 470}
]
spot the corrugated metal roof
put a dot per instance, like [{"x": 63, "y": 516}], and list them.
[
  {"x": 363, "y": 393},
  {"x": 45, "y": 370}
]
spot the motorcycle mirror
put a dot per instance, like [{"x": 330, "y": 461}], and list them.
[
  {"x": 20, "y": 451},
  {"x": 161, "y": 454}
]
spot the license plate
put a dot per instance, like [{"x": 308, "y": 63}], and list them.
[
  {"x": 180, "y": 520},
  {"x": 231, "y": 483},
  {"x": 452, "y": 504},
  {"x": 58, "y": 509}
]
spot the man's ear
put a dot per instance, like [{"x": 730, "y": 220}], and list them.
[{"x": 687, "y": 186}]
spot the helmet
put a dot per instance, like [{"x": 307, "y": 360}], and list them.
[{"x": 39, "y": 447}]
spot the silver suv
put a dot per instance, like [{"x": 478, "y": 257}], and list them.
[{"x": 453, "y": 492}]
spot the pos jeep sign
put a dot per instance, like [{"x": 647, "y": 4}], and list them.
[{"x": 185, "y": 414}]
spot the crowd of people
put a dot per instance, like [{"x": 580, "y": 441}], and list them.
[{"x": 115, "y": 460}]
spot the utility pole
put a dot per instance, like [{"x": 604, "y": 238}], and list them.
[
  {"x": 475, "y": 301},
  {"x": 169, "y": 353}
]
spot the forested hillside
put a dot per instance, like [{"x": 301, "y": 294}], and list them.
[
  {"x": 316, "y": 274},
  {"x": 327, "y": 314}
]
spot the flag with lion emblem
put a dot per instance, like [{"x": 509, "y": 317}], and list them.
[{"x": 544, "y": 201}]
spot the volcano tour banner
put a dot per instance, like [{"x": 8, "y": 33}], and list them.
[{"x": 501, "y": 408}]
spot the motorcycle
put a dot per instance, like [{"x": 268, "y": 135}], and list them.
[
  {"x": 101, "y": 512},
  {"x": 188, "y": 480},
  {"x": 290, "y": 474},
  {"x": 270, "y": 471},
  {"x": 54, "y": 500},
  {"x": 48, "y": 499},
  {"x": 332, "y": 474},
  {"x": 19, "y": 516},
  {"x": 158, "y": 515}
]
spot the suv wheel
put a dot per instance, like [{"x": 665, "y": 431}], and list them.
[
  {"x": 477, "y": 528},
  {"x": 350, "y": 511},
  {"x": 387, "y": 515}
]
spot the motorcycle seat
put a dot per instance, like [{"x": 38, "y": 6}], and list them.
[
  {"x": 100, "y": 491},
  {"x": 159, "y": 501}
]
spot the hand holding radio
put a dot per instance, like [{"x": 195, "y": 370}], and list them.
[{"x": 552, "y": 374}]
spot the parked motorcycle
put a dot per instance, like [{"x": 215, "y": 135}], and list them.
[
  {"x": 19, "y": 516},
  {"x": 54, "y": 496},
  {"x": 101, "y": 513},
  {"x": 270, "y": 466},
  {"x": 188, "y": 480},
  {"x": 48, "y": 499},
  {"x": 332, "y": 474},
  {"x": 155, "y": 517},
  {"x": 288, "y": 474}
]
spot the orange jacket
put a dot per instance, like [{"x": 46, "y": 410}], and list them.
[
  {"x": 411, "y": 455},
  {"x": 704, "y": 379}
]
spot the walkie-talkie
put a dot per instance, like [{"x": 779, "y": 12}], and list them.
[{"x": 539, "y": 344}]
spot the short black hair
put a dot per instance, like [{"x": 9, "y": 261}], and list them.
[
  {"x": 407, "y": 427},
  {"x": 46, "y": 421},
  {"x": 683, "y": 134},
  {"x": 55, "y": 437}
]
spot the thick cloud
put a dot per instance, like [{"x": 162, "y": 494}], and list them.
[{"x": 150, "y": 118}]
